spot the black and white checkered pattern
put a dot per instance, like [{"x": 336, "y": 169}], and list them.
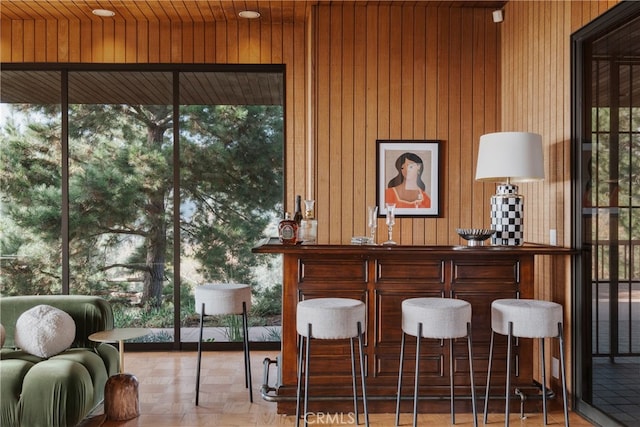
[{"x": 506, "y": 217}]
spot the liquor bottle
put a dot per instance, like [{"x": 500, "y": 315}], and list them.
[
  {"x": 297, "y": 216},
  {"x": 288, "y": 230}
]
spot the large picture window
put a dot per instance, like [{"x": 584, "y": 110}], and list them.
[{"x": 139, "y": 185}]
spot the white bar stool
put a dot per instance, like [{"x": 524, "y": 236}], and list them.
[
  {"x": 439, "y": 318},
  {"x": 330, "y": 319},
  {"x": 221, "y": 299},
  {"x": 527, "y": 318}
]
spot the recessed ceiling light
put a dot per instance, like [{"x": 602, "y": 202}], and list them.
[
  {"x": 249, "y": 14},
  {"x": 103, "y": 12}
]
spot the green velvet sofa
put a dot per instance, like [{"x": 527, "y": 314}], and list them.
[{"x": 63, "y": 389}]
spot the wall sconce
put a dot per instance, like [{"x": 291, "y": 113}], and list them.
[{"x": 507, "y": 157}]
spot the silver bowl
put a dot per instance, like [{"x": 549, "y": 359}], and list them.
[{"x": 475, "y": 236}]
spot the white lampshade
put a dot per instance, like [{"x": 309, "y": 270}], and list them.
[{"x": 510, "y": 157}]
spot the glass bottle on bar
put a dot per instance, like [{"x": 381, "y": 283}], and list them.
[
  {"x": 297, "y": 215},
  {"x": 288, "y": 230}
]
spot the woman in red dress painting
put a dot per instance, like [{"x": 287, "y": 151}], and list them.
[{"x": 407, "y": 190}]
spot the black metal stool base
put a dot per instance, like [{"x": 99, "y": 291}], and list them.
[
  {"x": 417, "y": 376},
  {"x": 307, "y": 351},
  {"x": 245, "y": 348},
  {"x": 510, "y": 337}
]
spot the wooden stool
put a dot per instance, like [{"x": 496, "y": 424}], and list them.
[{"x": 121, "y": 397}]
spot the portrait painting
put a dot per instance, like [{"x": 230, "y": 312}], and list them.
[{"x": 408, "y": 176}]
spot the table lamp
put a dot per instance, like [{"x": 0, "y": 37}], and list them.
[{"x": 508, "y": 157}]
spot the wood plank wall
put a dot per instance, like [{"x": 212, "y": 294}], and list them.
[
  {"x": 401, "y": 72},
  {"x": 536, "y": 97}
]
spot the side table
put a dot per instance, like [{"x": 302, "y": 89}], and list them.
[{"x": 121, "y": 391}]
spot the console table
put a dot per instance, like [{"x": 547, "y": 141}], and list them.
[{"x": 381, "y": 277}]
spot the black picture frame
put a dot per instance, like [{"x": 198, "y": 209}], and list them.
[{"x": 422, "y": 198}]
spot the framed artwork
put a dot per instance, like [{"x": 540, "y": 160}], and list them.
[{"x": 408, "y": 175}]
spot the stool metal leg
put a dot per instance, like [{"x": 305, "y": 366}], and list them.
[
  {"x": 362, "y": 375},
  {"x": 400, "y": 377},
  {"x": 508, "y": 386},
  {"x": 199, "y": 355},
  {"x": 473, "y": 387},
  {"x": 544, "y": 382},
  {"x": 300, "y": 350},
  {"x": 306, "y": 376},
  {"x": 417, "y": 374},
  {"x": 563, "y": 374},
  {"x": 353, "y": 378},
  {"x": 247, "y": 359},
  {"x": 451, "y": 388},
  {"x": 486, "y": 395}
]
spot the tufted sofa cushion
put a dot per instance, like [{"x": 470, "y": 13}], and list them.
[
  {"x": 63, "y": 389},
  {"x": 12, "y": 373}
]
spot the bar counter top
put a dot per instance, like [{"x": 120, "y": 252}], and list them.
[{"x": 273, "y": 245}]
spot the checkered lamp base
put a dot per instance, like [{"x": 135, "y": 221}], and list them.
[{"x": 506, "y": 216}]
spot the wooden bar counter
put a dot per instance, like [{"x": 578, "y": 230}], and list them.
[{"x": 381, "y": 277}]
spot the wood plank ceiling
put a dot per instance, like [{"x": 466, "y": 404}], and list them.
[{"x": 276, "y": 11}]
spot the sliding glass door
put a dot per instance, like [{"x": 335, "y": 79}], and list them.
[{"x": 607, "y": 118}]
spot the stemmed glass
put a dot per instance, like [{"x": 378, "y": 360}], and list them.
[
  {"x": 391, "y": 220},
  {"x": 372, "y": 216}
]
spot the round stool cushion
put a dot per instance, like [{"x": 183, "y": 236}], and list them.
[
  {"x": 222, "y": 298},
  {"x": 440, "y": 317},
  {"x": 331, "y": 318},
  {"x": 531, "y": 318}
]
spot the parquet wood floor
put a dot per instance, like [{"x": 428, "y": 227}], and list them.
[{"x": 167, "y": 397}]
